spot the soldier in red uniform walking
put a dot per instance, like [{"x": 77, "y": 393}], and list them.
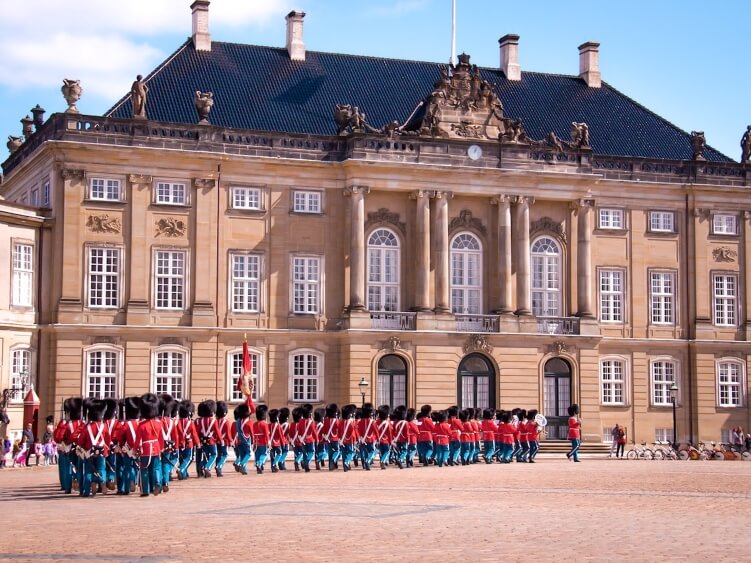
[
  {"x": 149, "y": 443},
  {"x": 261, "y": 436}
]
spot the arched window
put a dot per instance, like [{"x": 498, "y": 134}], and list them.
[
  {"x": 102, "y": 366},
  {"x": 546, "y": 278},
  {"x": 392, "y": 381},
  {"x": 235, "y": 368},
  {"x": 383, "y": 271},
  {"x": 466, "y": 274},
  {"x": 476, "y": 385},
  {"x": 169, "y": 366},
  {"x": 20, "y": 372}
]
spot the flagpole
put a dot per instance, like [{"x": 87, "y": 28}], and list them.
[{"x": 453, "y": 32}]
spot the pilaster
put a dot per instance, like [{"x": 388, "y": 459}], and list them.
[
  {"x": 205, "y": 243},
  {"x": 422, "y": 250},
  {"x": 139, "y": 260},
  {"x": 505, "y": 299},
  {"x": 441, "y": 251},
  {"x": 357, "y": 247},
  {"x": 520, "y": 230}
]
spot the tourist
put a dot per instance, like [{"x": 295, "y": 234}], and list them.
[
  {"x": 28, "y": 433},
  {"x": 574, "y": 432},
  {"x": 621, "y": 440},
  {"x": 613, "y": 440}
]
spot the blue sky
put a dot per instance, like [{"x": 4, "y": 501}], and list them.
[{"x": 684, "y": 59}]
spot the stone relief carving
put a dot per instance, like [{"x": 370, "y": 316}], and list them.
[
  {"x": 103, "y": 224},
  {"x": 203, "y": 101},
  {"x": 73, "y": 174},
  {"x": 546, "y": 224},
  {"x": 171, "y": 227},
  {"x": 204, "y": 183},
  {"x": 349, "y": 119},
  {"x": 697, "y": 144},
  {"x": 466, "y": 221},
  {"x": 14, "y": 143},
  {"x": 702, "y": 214},
  {"x": 746, "y": 145},
  {"x": 383, "y": 215},
  {"x": 724, "y": 254},
  {"x": 394, "y": 343},
  {"x": 138, "y": 93},
  {"x": 558, "y": 347},
  {"x": 140, "y": 179},
  {"x": 72, "y": 91},
  {"x": 579, "y": 135},
  {"x": 477, "y": 343}
]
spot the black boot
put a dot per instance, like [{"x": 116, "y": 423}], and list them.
[{"x": 297, "y": 466}]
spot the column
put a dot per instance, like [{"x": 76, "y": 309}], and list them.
[
  {"x": 584, "y": 258},
  {"x": 441, "y": 249},
  {"x": 73, "y": 262},
  {"x": 422, "y": 250},
  {"x": 745, "y": 270},
  {"x": 504, "y": 252},
  {"x": 522, "y": 250},
  {"x": 139, "y": 261},
  {"x": 357, "y": 247}
]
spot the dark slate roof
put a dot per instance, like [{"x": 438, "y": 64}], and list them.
[{"x": 260, "y": 88}]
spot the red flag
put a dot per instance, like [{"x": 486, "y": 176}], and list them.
[{"x": 246, "y": 365}]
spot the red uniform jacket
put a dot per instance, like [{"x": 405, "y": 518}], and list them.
[
  {"x": 149, "y": 439},
  {"x": 94, "y": 434},
  {"x": 427, "y": 427},
  {"x": 401, "y": 432},
  {"x": 348, "y": 431},
  {"x": 306, "y": 431},
  {"x": 276, "y": 435},
  {"x": 59, "y": 434},
  {"x": 385, "y": 431},
  {"x": 72, "y": 429},
  {"x": 367, "y": 429},
  {"x": 225, "y": 429},
  {"x": 468, "y": 433},
  {"x": 261, "y": 433},
  {"x": 412, "y": 431},
  {"x": 533, "y": 434},
  {"x": 574, "y": 428},
  {"x": 457, "y": 426},
  {"x": 475, "y": 429},
  {"x": 127, "y": 435},
  {"x": 208, "y": 430},
  {"x": 169, "y": 431},
  {"x": 187, "y": 437},
  {"x": 330, "y": 430},
  {"x": 499, "y": 433},
  {"x": 489, "y": 429},
  {"x": 291, "y": 433},
  {"x": 441, "y": 434},
  {"x": 507, "y": 432}
]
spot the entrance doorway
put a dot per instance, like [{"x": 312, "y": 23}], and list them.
[
  {"x": 392, "y": 381},
  {"x": 557, "y": 398},
  {"x": 476, "y": 383}
]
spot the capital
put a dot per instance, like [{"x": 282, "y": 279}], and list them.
[
  {"x": 204, "y": 183},
  {"x": 356, "y": 190},
  {"x": 418, "y": 194},
  {"x": 139, "y": 179},
  {"x": 437, "y": 194},
  {"x": 500, "y": 199},
  {"x": 581, "y": 205},
  {"x": 523, "y": 200}
]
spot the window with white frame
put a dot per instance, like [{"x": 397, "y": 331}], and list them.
[
  {"x": 546, "y": 284},
  {"x": 104, "y": 277},
  {"x": 383, "y": 271},
  {"x": 613, "y": 379},
  {"x": 662, "y": 221},
  {"x": 664, "y": 435},
  {"x": 664, "y": 373},
  {"x": 306, "y": 284},
  {"x": 35, "y": 197},
  {"x": 23, "y": 274},
  {"x": 611, "y": 296},
  {"x": 169, "y": 373},
  {"x": 171, "y": 193},
  {"x": 105, "y": 189},
  {"x": 236, "y": 372},
  {"x": 306, "y": 201},
  {"x": 246, "y": 198},
  {"x": 724, "y": 224},
  {"x": 611, "y": 218},
  {"x": 725, "y": 435},
  {"x": 729, "y": 383},
  {"x": 102, "y": 370},
  {"x": 662, "y": 297},
  {"x": 607, "y": 434},
  {"x": 466, "y": 274},
  {"x": 246, "y": 281},
  {"x": 20, "y": 370},
  {"x": 46, "y": 193},
  {"x": 725, "y": 299},
  {"x": 306, "y": 376},
  {"x": 170, "y": 279}
]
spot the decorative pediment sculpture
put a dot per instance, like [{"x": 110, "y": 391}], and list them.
[
  {"x": 697, "y": 145},
  {"x": 14, "y": 143},
  {"x": 466, "y": 221},
  {"x": 383, "y": 215},
  {"x": 171, "y": 227},
  {"x": 548, "y": 225},
  {"x": 746, "y": 145},
  {"x": 138, "y": 93},
  {"x": 72, "y": 91},
  {"x": 203, "y": 101},
  {"x": 477, "y": 343},
  {"x": 394, "y": 343},
  {"x": 724, "y": 254},
  {"x": 349, "y": 119},
  {"x": 103, "y": 224},
  {"x": 579, "y": 135}
]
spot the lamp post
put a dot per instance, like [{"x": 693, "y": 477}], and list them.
[
  {"x": 673, "y": 395},
  {"x": 363, "y": 385},
  {"x": 24, "y": 380}
]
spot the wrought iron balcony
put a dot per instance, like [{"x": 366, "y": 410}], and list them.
[
  {"x": 389, "y": 320},
  {"x": 477, "y": 323},
  {"x": 558, "y": 325}
]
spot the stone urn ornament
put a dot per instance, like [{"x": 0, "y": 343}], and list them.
[
  {"x": 72, "y": 91},
  {"x": 204, "y": 101},
  {"x": 14, "y": 143}
]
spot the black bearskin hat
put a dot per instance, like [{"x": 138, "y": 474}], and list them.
[
  {"x": 110, "y": 408},
  {"x": 463, "y": 415},
  {"x": 172, "y": 407},
  {"x": 359, "y": 413},
  {"x": 573, "y": 410},
  {"x": 242, "y": 411},
  {"x": 383, "y": 412},
  {"x": 332, "y": 410},
  {"x": 75, "y": 408},
  {"x": 306, "y": 411},
  {"x": 318, "y": 414},
  {"x": 185, "y": 408},
  {"x": 426, "y": 410},
  {"x": 439, "y": 416},
  {"x": 398, "y": 413},
  {"x": 348, "y": 411},
  {"x": 453, "y": 411},
  {"x": 149, "y": 406},
  {"x": 367, "y": 410},
  {"x": 87, "y": 402},
  {"x": 487, "y": 414},
  {"x": 283, "y": 414},
  {"x": 274, "y": 416},
  {"x": 261, "y": 412},
  {"x": 50, "y": 419},
  {"x": 164, "y": 400},
  {"x": 66, "y": 408},
  {"x": 95, "y": 412},
  {"x": 410, "y": 415},
  {"x": 207, "y": 408},
  {"x": 221, "y": 409},
  {"x": 297, "y": 414},
  {"x": 506, "y": 416},
  {"x": 531, "y": 414},
  {"x": 132, "y": 407},
  {"x": 522, "y": 414}
]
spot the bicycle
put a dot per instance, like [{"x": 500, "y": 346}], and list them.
[
  {"x": 640, "y": 452},
  {"x": 664, "y": 450}
]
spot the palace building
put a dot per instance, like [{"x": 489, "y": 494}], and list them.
[{"x": 384, "y": 230}]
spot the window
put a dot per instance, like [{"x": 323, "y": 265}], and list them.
[
  {"x": 105, "y": 189},
  {"x": 104, "y": 277},
  {"x": 307, "y": 376},
  {"x": 611, "y": 219},
  {"x": 546, "y": 288},
  {"x": 724, "y": 224},
  {"x": 466, "y": 275},
  {"x": 662, "y": 297},
  {"x": 607, "y": 435},
  {"x": 170, "y": 279},
  {"x": 236, "y": 371},
  {"x": 611, "y": 296},
  {"x": 35, "y": 197},
  {"x": 23, "y": 273},
  {"x": 246, "y": 279},
  {"x": 171, "y": 193},
  {"x": 724, "y": 435},
  {"x": 613, "y": 377},
  {"x": 664, "y": 435},
  {"x": 20, "y": 369},
  {"x": 306, "y": 202},
  {"x": 663, "y": 376},
  {"x": 662, "y": 221},
  {"x": 729, "y": 383},
  {"x": 169, "y": 373},
  {"x": 305, "y": 284},
  {"x": 725, "y": 306},
  {"x": 383, "y": 271},
  {"x": 46, "y": 193},
  {"x": 102, "y": 368},
  {"x": 246, "y": 198}
]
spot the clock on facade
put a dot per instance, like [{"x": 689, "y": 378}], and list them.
[{"x": 474, "y": 152}]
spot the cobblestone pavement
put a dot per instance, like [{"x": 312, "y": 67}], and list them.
[{"x": 554, "y": 510}]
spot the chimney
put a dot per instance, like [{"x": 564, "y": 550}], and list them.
[
  {"x": 589, "y": 64},
  {"x": 201, "y": 37},
  {"x": 510, "y": 57},
  {"x": 295, "y": 43}
]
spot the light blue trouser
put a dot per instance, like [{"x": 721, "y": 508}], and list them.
[
  {"x": 93, "y": 472},
  {"x": 151, "y": 474},
  {"x": 126, "y": 474},
  {"x": 60, "y": 472},
  {"x": 489, "y": 446},
  {"x": 575, "y": 445},
  {"x": 186, "y": 458},
  {"x": 522, "y": 455},
  {"x": 261, "y": 455},
  {"x": 322, "y": 453},
  {"x": 441, "y": 454},
  {"x": 308, "y": 452},
  {"x": 466, "y": 451},
  {"x": 334, "y": 452},
  {"x": 209, "y": 456},
  {"x": 425, "y": 452},
  {"x": 170, "y": 460},
  {"x": 384, "y": 452},
  {"x": 283, "y": 456},
  {"x": 66, "y": 472},
  {"x": 276, "y": 456},
  {"x": 534, "y": 447},
  {"x": 111, "y": 467},
  {"x": 243, "y": 456},
  {"x": 367, "y": 452},
  {"x": 411, "y": 450},
  {"x": 401, "y": 449},
  {"x": 348, "y": 453},
  {"x": 221, "y": 456},
  {"x": 455, "y": 448}
]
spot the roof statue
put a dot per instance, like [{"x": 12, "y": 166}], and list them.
[
  {"x": 746, "y": 146},
  {"x": 203, "y": 101},
  {"x": 579, "y": 135},
  {"x": 138, "y": 93},
  {"x": 697, "y": 145},
  {"x": 72, "y": 91},
  {"x": 14, "y": 143}
]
